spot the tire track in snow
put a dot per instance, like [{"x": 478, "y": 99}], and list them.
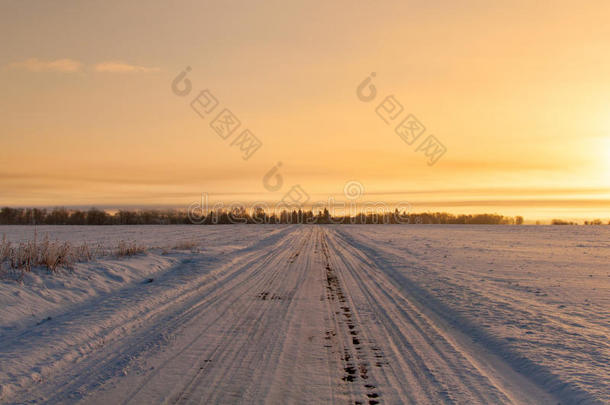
[
  {"x": 256, "y": 318},
  {"x": 308, "y": 318},
  {"x": 142, "y": 330},
  {"x": 237, "y": 310},
  {"x": 431, "y": 369},
  {"x": 446, "y": 366},
  {"x": 344, "y": 333}
]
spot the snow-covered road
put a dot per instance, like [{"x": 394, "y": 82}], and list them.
[{"x": 306, "y": 314}]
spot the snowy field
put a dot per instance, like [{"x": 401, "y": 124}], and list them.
[{"x": 421, "y": 314}]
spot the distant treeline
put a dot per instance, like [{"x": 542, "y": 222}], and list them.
[
  {"x": 562, "y": 222},
  {"x": 94, "y": 216}
]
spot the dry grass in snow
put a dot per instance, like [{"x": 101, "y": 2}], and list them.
[{"x": 23, "y": 256}]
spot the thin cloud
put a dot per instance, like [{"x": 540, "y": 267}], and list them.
[
  {"x": 58, "y": 65},
  {"x": 121, "y": 67}
]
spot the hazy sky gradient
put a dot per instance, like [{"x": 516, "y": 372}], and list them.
[{"x": 518, "y": 92}]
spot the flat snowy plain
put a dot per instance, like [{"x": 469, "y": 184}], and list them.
[{"x": 421, "y": 314}]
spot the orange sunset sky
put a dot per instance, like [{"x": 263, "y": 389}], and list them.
[{"x": 518, "y": 92}]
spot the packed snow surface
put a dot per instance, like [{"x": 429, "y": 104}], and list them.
[{"x": 313, "y": 314}]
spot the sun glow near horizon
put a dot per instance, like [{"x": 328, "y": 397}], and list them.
[{"x": 521, "y": 110}]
